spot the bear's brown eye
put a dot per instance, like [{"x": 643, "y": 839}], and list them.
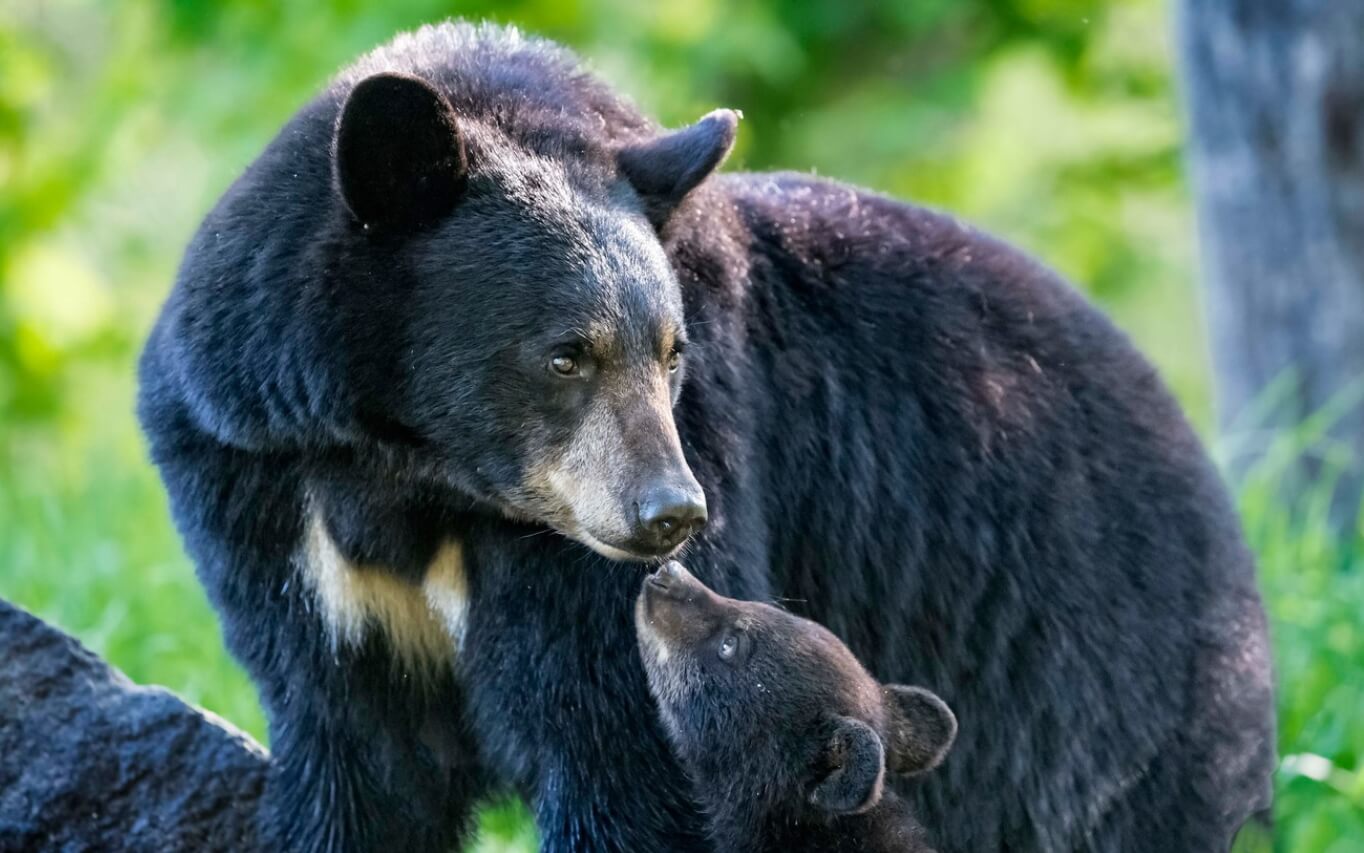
[
  {"x": 674, "y": 360},
  {"x": 564, "y": 365},
  {"x": 728, "y": 646}
]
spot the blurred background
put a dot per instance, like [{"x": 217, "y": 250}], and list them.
[{"x": 1056, "y": 124}]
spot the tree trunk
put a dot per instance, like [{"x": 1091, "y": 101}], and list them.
[
  {"x": 1275, "y": 98},
  {"x": 91, "y": 761}
]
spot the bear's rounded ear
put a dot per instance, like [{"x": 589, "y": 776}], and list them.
[
  {"x": 853, "y": 765},
  {"x": 922, "y": 729},
  {"x": 398, "y": 155},
  {"x": 664, "y": 169}
]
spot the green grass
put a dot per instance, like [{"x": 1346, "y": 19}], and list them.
[
  {"x": 1313, "y": 583},
  {"x": 86, "y": 543}
]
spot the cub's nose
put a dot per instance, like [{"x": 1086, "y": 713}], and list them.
[
  {"x": 673, "y": 581},
  {"x": 669, "y": 514}
]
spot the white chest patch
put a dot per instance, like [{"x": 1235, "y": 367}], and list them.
[{"x": 424, "y": 624}]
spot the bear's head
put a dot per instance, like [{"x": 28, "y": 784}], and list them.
[
  {"x": 772, "y": 711},
  {"x": 458, "y": 265},
  {"x": 566, "y": 388}
]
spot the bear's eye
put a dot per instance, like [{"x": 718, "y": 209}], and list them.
[
  {"x": 728, "y": 647},
  {"x": 674, "y": 360},
  {"x": 564, "y": 365}
]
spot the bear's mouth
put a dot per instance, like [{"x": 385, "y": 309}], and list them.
[
  {"x": 632, "y": 553},
  {"x": 608, "y": 550},
  {"x": 613, "y": 545},
  {"x": 561, "y": 520}
]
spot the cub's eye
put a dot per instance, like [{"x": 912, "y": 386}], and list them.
[
  {"x": 564, "y": 365},
  {"x": 674, "y": 360},
  {"x": 728, "y": 646}
]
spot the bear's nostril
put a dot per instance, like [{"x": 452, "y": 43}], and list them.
[{"x": 668, "y": 514}]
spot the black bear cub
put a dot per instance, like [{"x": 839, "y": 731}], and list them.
[{"x": 786, "y": 736}]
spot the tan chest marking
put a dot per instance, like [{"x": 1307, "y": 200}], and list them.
[{"x": 424, "y": 624}]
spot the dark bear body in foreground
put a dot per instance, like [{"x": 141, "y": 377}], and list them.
[
  {"x": 786, "y": 738},
  {"x": 452, "y": 309}
]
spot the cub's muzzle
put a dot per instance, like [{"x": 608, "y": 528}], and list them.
[{"x": 676, "y": 607}]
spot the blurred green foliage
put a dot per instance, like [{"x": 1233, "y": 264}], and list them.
[{"x": 1050, "y": 122}]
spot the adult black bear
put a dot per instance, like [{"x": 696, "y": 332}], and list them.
[
  {"x": 787, "y": 740},
  {"x": 458, "y": 303}
]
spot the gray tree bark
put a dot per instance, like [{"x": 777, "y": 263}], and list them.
[
  {"x": 1275, "y": 98},
  {"x": 90, "y": 761}
]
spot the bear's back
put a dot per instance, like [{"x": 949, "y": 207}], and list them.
[{"x": 974, "y": 447}]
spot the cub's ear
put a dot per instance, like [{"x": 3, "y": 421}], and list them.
[
  {"x": 853, "y": 761},
  {"x": 398, "y": 155},
  {"x": 922, "y": 729},
  {"x": 666, "y": 168}
]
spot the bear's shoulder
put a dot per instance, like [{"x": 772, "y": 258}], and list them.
[
  {"x": 820, "y": 230},
  {"x": 805, "y": 207}
]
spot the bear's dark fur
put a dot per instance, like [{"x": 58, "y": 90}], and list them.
[
  {"x": 787, "y": 740},
  {"x": 410, "y": 342}
]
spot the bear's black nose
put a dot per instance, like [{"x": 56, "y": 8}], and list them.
[{"x": 669, "y": 514}]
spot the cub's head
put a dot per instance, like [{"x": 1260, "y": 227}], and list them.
[
  {"x": 454, "y": 253},
  {"x": 771, "y": 710}
]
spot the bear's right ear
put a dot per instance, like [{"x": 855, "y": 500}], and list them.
[
  {"x": 398, "y": 155},
  {"x": 922, "y": 729},
  {"x": 854, "y": 762},
  {"x": 664, "y": 169}
]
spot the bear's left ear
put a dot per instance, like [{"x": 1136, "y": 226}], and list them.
[
  {"x": 663, "y": 170},
  {"x": 922, "y": 729},
  {"x": 854, "y": 761},
  {"x": 398, "y": 155}
]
